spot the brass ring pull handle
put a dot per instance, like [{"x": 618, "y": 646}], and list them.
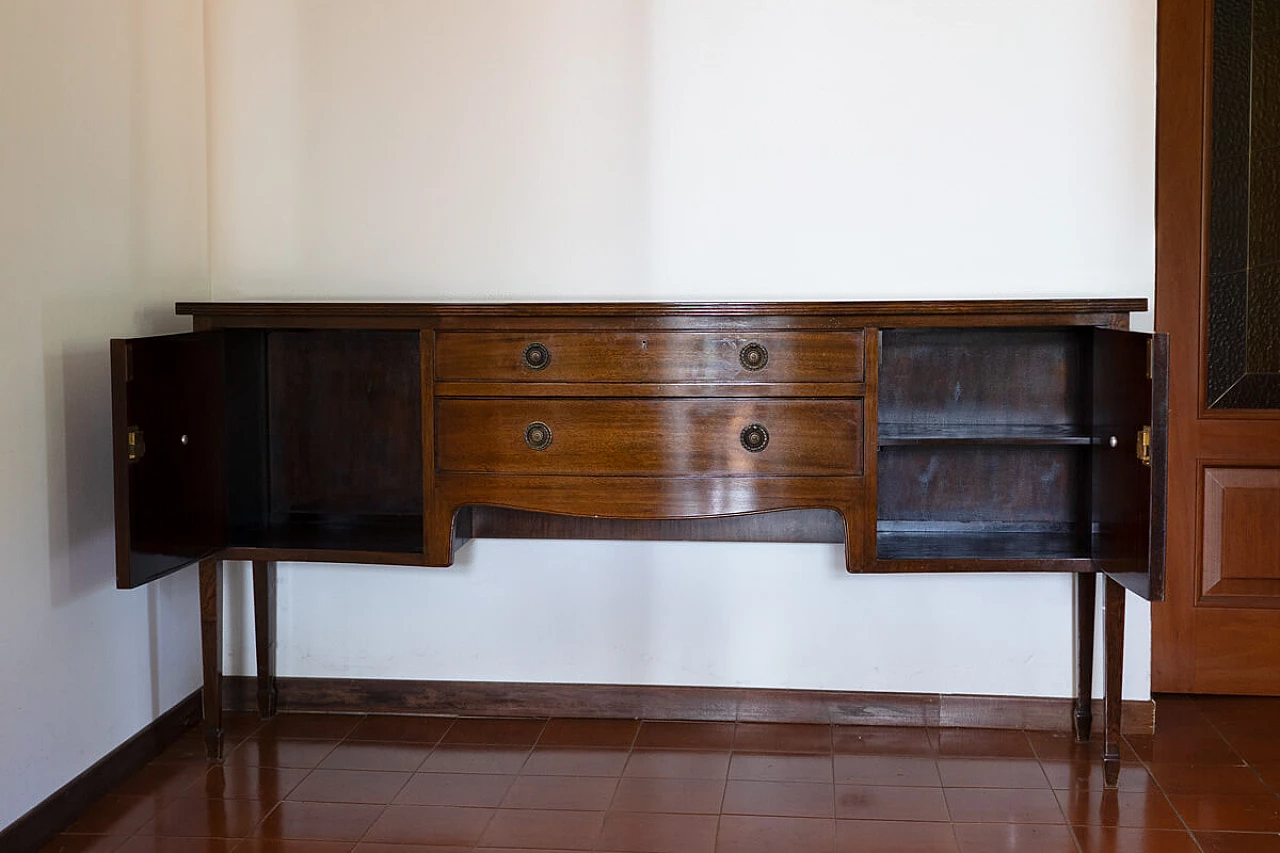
[
  {"x": 753, "y": 356},
  {"x": 755, "y": 438},
  {"x": 537, "y": 356},
  {"x": 537, "y": 435}
]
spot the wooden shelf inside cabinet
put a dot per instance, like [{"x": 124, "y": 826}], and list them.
[
  {"x": 979, "y": 545},
  {"x": 1023, "y": 435},
  {"x": 400, "y": 535}
]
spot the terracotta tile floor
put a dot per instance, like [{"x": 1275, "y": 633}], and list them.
[{"x": 1207, "y": 781}]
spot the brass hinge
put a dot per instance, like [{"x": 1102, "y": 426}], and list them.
[
  {"x": 1144, "y": 446},
  {"x": 137, "y": 446}
]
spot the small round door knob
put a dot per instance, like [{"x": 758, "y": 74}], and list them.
[
  {"x": 537, "y": 435},
  {"x": 755, "y": 438},
  {"x": 753, "y": 356},
  {"x": 537, "y": 356}
]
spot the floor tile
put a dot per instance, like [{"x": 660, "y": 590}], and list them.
[
  {"x": 455, "y": 789},
  {"x": 638, "y": 794},
  {"x": 439, "y": 825},
  {"x": 496, "y": 731},
  {"x": 1147, "y": 809},
  {"x": 1110, "y": 839},
  {"x": 783, "y": 799},
  {"x": 581, "y": 793},
  {"x": 379, "y": 847},
  {"x": 1063, "y": 746},
  {"x": 861, "y": 836},
  {"x": 574, "y": 732},
  {"x": 1169, "y": 747},
  {"x": 309, "y": 726},
  {"x": 475, "y": 759},
  {"x": 162, "y": 781},
  {"x": 319, "y": 821},
  {"x": 349, "y": 786},
  {"x": 575, "y": 761},
  {"x": 1086, "y": 774},
  {"x": 376, "y": 755},
  {"x": 1270, "y": 775},
  {"x": 746, "y": 834},
  {"x": 146, "y": 844},
  {"x": 1225, "y": 812},
  {"x": 1238, "y": 842},
  {"x": 66, "y": 843},
  {"x": 1003, "y": 805},
  {"x": 287, "y": 845},
  {"x": 567, "y": 830},
  {"x": 640, "y": 832},
  {"x": 983, "y": 743},
  {"x": 880, "y": 802},
  {"x": 678, "y": 763},
  {"x": 1014, "y": 838},
  {"x": 675, "y": 735},
  {"x": 200, "y": 817},
  {"x": 406, "y": 729},
  {"x": 247, "y": 782},
  {"x": 991, "y": 773},
  {"x": 1207, "y": 779},
  {"x": 782, "y": 737},
  {"x": 117, "y": 814},
  {"x": 779, "y": 767},
  {"x": 898, "y": 770},
  {"x": 269, "y": 751},
  {"x": 883, "y": 740}
]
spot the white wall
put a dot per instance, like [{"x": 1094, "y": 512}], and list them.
[
  {"x": 717, "y": 149},
  {"x": 102, "y": 227}
]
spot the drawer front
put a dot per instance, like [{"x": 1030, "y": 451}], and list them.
[
  {"x": 608, "y": 437},
  {"x": 650, "y": 357}
]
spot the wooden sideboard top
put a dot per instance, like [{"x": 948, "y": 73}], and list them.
[{"x": 660, "y": 309}]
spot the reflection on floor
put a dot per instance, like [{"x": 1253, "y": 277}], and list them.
[{"x": 1208, "y": 781}]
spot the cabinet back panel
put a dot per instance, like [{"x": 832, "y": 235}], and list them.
[
  {"x": 982, "y": 484},
  {"x": 983, "y": 376},
  {"x": 345, "y": 422}
]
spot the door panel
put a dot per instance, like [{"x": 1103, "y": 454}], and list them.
[
  {"x": 1241, "y": 537},
  {"x": 1129, "y": 423},
  {"x": 168, "y": 392}
]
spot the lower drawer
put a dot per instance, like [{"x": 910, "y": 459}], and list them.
[{"x": 603, "y": 437}]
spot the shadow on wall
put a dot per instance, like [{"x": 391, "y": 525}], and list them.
[{"x": 77, "y": 383}]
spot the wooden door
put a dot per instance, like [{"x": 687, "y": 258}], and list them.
[
  {"x": 1129, "y": 432},
  {"x": 1218, "y": 297},
  {"x": 169, "y": 452}
]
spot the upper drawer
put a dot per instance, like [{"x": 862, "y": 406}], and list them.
[
  {"x": 673, "y": 438},
  {"x": 650, "y": 357}
]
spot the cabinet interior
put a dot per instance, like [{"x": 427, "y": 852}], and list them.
[
  {"x": 325, "y": 439},
  {"x": 984, "y": 444}
]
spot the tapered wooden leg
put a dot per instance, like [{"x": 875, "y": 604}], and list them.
[
  {"x": 211, "y": 651},
  {"x": 1086, "y": 602},
  {"x": 1115, "y": 679},
  {"x": 264, "y": 629}
]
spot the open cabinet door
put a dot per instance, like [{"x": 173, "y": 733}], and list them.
[
  {"x": 1130, "y": 437},
  {"x": 169, "y": 451}
]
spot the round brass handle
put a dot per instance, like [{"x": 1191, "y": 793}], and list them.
[
  {"x": 753, "y": 356},
  {"x": 537, "y": 356},
  {"x": 755, "y": 438},
  {"x": 537, "y": 435}
]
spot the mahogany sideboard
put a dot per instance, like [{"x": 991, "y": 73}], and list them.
[{"x": 972, "y": 436}]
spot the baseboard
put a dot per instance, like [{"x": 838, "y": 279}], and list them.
[
  {"x": 61, "y": 808},
  {"x": 652, "y": 702}
]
